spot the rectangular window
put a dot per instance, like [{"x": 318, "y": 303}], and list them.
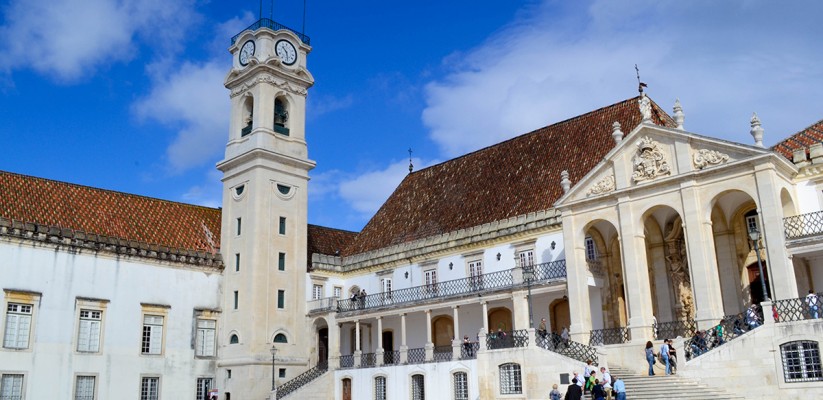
[
  {"x": 591, "y": 250},
  {"x": 476, "y": 274},
  {"x": 11, "y": 387},
  {"x": 801, "y": 361},
  {"x": 338, "y": 292},
  {"x": 282, "y": 225},
  {"x": 150, "y": 388},
  {"x": 386, "y": 283},
  {"x": 204, "y": 342},
  {"x": 237, "y": 262},
  {"x": 461, "y": 386},
  {"x": 526, "y": 258},
  {"x": 84, "y": 388},
  {"x": 18, "y": 326},
  {"x": 418, "y": 387},
  {"x": 317, "y": 292},
  {"x": 380, "y": 388},
  {"x": 281, "y": 261},
  {"x": 152, "y": 334},
  {"x": 88, "y": 335},
  {"x": 281, "y": 373},
  {"x": 236, "y": 299},
  {"x": 510, "y": 379},
  {"x": 281, "y": 299},
  {"x": 204, "y": 385},
  {"x": 239, "y": 225},
  {"x": 431, "y": 281}
]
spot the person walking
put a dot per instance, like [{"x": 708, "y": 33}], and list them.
[
  {"x": 555, "y": 394},
  {"x": 598, "y": 393},
  {"x": 650, "y": 357},
  {"x": 574, "y": 392},
  {"x": 619, "y": 388},
  {"x": 664, "y": 353},
  {"x": 814, "y": 304},
  {"x": 588, "y": 370},
  {"x": 672, "y": 357},
  {"x": 607, "y": 382}
]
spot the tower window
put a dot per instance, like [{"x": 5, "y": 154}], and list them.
[
  {"x": 239, "y": 225},
  {"x": 248, "y": 117},
  {"x": 281, "y": 117},
  {"x": 281, "y": 299},
  {"x": 234, "y": 339},
  {"x": 282, "y": 372},
  {"x": 281, "y": 261},
  {"x": 282, "y": 225},
  {"x": 280, "y": 338},
  {"x": 283, "y": 189},
  {"x": 237, "y": 262},
  {"x": 236, "y": 298}
]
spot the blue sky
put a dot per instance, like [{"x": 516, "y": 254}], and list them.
[{"x": 127, "y": 95}]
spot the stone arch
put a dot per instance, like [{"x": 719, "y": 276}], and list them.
[
  {"x": 281, "y": 115},
  {"x": 560, "y": 315},
  {"x": 442, "y": 330},
  {"x": 247, "y": 115},
  {"x": 733, "y": 249},
  {"x": 787, "y": 203},
  {"x": 670, "y": 276},
  {"x": 608, "y": 304},
  {"x": 500, "y": 317},
  {"x": 321, "y": 336}
]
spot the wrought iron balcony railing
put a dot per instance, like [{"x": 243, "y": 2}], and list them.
[
  {"x": 391, "y": 357},
  {"x": 416, "y": 356},
  {"x": 673, "y": 329},
  {"x": 569, "y": 348},
  {"x": 368, "y": 360},
  {"x": 507, "y": 340},
  {"x": 543, "y": 273},
  {"x": 324, "y": 304},
  {"x": 803, "y": 226},
  {"x": 267, "y": 23},
  {"x": 468, "y": 350},
  {"x": 301, "y": 380},
  {"x": 347, "y": 361},
  {"x": 600, "y": 337},
  {"x": 799, "y": 309},
  {"x": 442, "y": 353},
  {"x": 730, "y": 327}
]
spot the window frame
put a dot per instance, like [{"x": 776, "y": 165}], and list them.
[
  {"x": 20, "y": 313},
  {"x": 200, "y": 395},
  {"x": 147, "y": 396},
  {"x": 239, "y": 226},
  {"x": 24, "y": 298},
  {"x": 281, "y": 261},
  {"x": 92, "y": 305},
  {"x": 422, "y": 387},
  {"x": 281, "y": 299},
  {"x": 380, "y": 392},
  {"x": 21, "y": 387},
  {"x": 153, "y": 310},
  {"x": 590, "y": 248},
  {"x": 806, "y": 355},
  {"x": 460, "y": 393},
  {"x": 511, "y": 378},
  {"x": 202, "y": 341},
  {"x": 430, "y": 280},
  {"x": 281, "y": 229},
  {"x": 76, "y": 394},
  {"x": 236, "y": 262},
  {"x": 317, "y": 291}
]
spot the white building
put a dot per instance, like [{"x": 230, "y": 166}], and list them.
[{"x": 618, "y": 225}]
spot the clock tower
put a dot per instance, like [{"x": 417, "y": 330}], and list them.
[{"x": 263, "y": 243}]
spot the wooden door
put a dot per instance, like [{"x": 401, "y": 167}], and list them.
[{"x": 347, "y": 389}]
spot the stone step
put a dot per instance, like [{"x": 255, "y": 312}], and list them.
[{"x": 668, "y": 387}]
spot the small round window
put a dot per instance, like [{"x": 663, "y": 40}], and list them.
[
  {"x": 238, "y": 191},
  {"x": 283, "y": 189}
]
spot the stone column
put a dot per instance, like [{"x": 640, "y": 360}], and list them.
[
  {"x": 379, "y": 352},
  {"x": 404, "y": 349},
  {"x": 357, "y": 352},
  {"x": 635, "y": 272},
  {"x": 577, "y": 277},
  {"x": 485, "y": 305},
  {"x": 429, "y": 345},
  {"x": 456, "y": 340},
  {"x": 702, "y": 259},
  {"x": 334, "y": 344},
  {"x": 779, "y": 267},
  {"x": 520, "y": 306}
]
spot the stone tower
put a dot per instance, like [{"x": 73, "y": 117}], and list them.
[{"x": 265, "y": 177}]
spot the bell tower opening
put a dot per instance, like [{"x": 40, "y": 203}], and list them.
[{"x": 281, "y": 116}]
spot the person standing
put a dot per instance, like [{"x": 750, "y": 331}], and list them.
[
  {"x": 565, "y": 336},
  {"x": 598, "y": 393},
  {"x": 814, "y": 304},
  {"x": 650, "y": 357},
  {"x": 555, "y": 394},
  {"x": 664, "y": 353},
  {"x": 573, "y": 392},
  {"x": 619, "y": 388},
  {"x": 607, "y": 382},
  {"x": 587, "y": 372}
]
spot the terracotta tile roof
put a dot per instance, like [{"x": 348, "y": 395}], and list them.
[
  {"x": 512, "y": 178},
  {"x": 328, "y": 241},
  {"x": 108, "y": 213},
  {"x": 800, "y": 140}
]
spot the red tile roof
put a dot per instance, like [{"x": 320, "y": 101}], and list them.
[
  {"x": 800, "y": 140},
  {"x": 512, "y": 178},
  {"x": 328, "y": 241},
  {"x": 108, "y": 213}
]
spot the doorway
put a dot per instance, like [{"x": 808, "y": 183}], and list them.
[
  {"x": 346, "y": 389},
  {"x": 388, "y": 348},
  {"x": 323, "y": 346},
  {"x": 755, "y": 287}
]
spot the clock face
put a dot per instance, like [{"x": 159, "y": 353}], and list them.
[
  {"x": 286, "y": 52},
  {"x": 246, "y": 52}
]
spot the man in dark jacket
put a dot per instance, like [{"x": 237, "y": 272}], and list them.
[{"x": 573, "y": 392}]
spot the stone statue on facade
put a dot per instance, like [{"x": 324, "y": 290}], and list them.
[
  {"x": 645, "y": 108},
  {"x": 679, "y": 272}
]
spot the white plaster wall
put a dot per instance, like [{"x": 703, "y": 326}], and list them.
[
  {"x": 438, "y": 380},
  {"x": 807, "y": 197},
  {"x": 51, "y": 363}
]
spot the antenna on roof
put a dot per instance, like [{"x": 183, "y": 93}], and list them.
[
  {"x": 640, "y": 85},
  {"x": 304, "y": 16},
  {"x": 411, "y": 167},
  {"x": 271, "y": 11},
  {"x": 260, "y": 15}
]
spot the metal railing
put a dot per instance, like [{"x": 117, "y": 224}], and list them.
[
  {"x": 324, "y": 304},
  {"x": 301, "y": 380},
  {"x": 507, "y": 339},
  {"x": 347, "y": 361},
  {"x": 368, "y": 360},
  {"x": 543, "y": 273},
  {"x": 443, "y": 353},
  {"x": 416, "y": 356},
  {"x": 601, "y": 337},
  {"x": 468, "y": 350},
  {"x": 673, "y": 329},
  {"x": 729, "y": 328},
  {"x": 267, "y": 23},
  {"x": 804, "y": 225},
  {"x": 569, "y": 348},
  {"x": 391, "y": 357},
  {"x": 798, "y": 309}
]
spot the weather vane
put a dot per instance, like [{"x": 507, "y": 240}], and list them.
[
  {"x": 411, "y": 167},
  {"x": 640, "y": 85}
]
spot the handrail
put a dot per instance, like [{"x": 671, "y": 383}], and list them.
[
  {"x": 609, "y": 336},
  {"x": 803, "y": 225},
  {"x": 569, "y": 348},
  {"x": 732, "y": 326},
  {"x": 799, "y": 309},
  {"x": 301, "y": 380},
  {"x": 275, "y": 26},
  {"x": 673, "y": 329},
  {"x": 506, "y": 340}
]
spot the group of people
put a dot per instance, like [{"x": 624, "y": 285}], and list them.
[
  {"x": 667, "y": 356},
  {"x": 603, "y": 387},
  {"x": 358, "y": 300},
  {"x": 556, "y": 339}
]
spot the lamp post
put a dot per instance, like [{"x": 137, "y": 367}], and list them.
[
  {"x": 528, "y": 275},
  {"x": 273, "y": 372},
  {"x": 754, "y": 235}
]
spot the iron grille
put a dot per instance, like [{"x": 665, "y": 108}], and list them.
[
  {"x": 510, "y": 379},
  {"x": 804, "y": 225},
  {"x": 600, "y": 337},
  {"x": 267, "y": 23},
  {"x": 301, "y": 380},
  {"x": 801, "y": 361},
  {"x": 507, "y": 339},
  {"x": 549, "y": 271},
  {"x": 729, "y": 328},
  {"x": 391, "y": 357},
  {"x": 469, "y": 350},
  {"x": 346, "y": 361},
  {"x": 799, "y": 309},
  {"x": 368, "y": 360},
  {"x": 443, "y": 353},
  {"x": 416, "y": 356},
  {"x": 673, "y": 329},
  {"x": 569, "y": 348}
]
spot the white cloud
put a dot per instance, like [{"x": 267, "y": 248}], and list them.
[
  {"x": 68, "y": 39},
  {"x": 723, "y": 60},
  {"x": 194, "y": 99},
  {"x": 320, "y": 105},
  {"x": 209, "y": 194}
]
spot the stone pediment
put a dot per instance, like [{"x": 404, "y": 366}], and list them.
[{"x": 650, "y": 154}]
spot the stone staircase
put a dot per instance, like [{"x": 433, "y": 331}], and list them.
[{"x": 662, "y": 387}]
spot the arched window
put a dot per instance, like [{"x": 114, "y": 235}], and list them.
[
  {"x": 233, "y": 339},
  {"x": 248, "y": 116},
  {"x": 461, "y": 386},
  {"x": 801, "y": 361},
  {"x": 510, "y": 379},
  {"x": 280, "y": 338},
  {"x": 418, "y": 387},
  {"x": 380, "y": 388},
  {"x": 281, "y": 116}
]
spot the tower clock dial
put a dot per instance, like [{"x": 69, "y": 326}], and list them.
[
  {"x": 246, "y": 52},
  {"x": 286, "y": 52}
]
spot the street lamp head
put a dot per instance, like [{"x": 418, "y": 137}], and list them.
[
  {"x": 754, "y": 234},
  {"x": 273, "y": 350}
]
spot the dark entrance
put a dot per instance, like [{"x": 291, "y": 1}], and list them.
[
  {"x": 388, "y": 348},
  {"x": 323, "y": 346},
  {"x": 755, "y": 287}
]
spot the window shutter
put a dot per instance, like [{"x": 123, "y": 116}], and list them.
[
  {"x": 10, "y": 338},
  {"x": 23, "y": 331},
  {"x": 156, "y": 339},
  {"x": 83, "y": 335}
]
